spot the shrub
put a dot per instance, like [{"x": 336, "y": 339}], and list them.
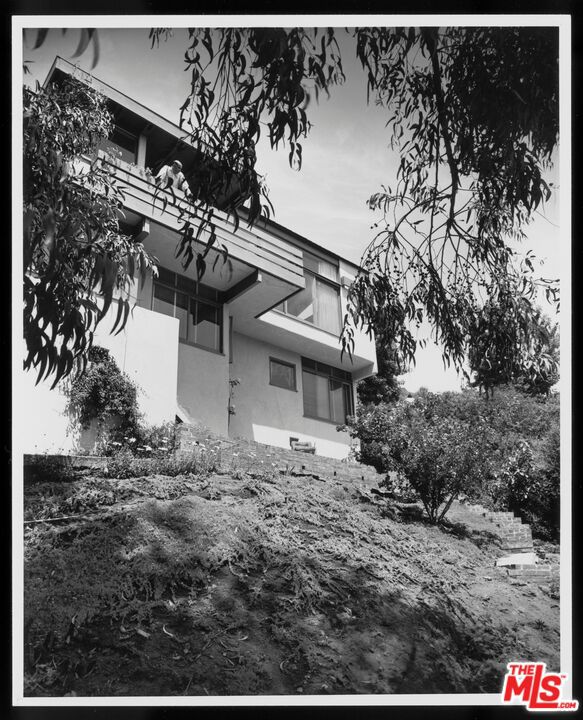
[
  {"x": 439, "y": 455},
  {"x": 103, "y": 394},
  {"x": 400, "y": 488},
  {"x": 157, "y": 441},
  {"x": 529, "y": 484},
  {"x": 507, "y": 476},
  {"x": 124, "y": 464}
]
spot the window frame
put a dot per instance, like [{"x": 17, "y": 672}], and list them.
[
  {"x": 286, "y": 364},
  {"x": 318, "y": 278},
  {"x": 180, "y": 286},
  {"x": 109, "y": 143},
  {"x": 343, "y": 377}
]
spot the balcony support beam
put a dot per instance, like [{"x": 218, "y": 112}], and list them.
[
  {"x": 144, "y": 230},
  {"x": 242, "y": 286},
  {"x": 141, "y": 154}
]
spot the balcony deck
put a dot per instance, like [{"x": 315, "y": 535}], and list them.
[{"x": 252, "y": 246}]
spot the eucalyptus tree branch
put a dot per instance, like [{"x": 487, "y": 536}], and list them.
[{"x": 430, "y": 37}]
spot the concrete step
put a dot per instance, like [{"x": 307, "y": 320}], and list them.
[
  {"x": 518, "y": 547},
  {"x": 540, "y": 573},
  {"x": 508, "y": 522},
  {"x": 476, "y": 509},
  {"x": 518, "y": 531},
  {"x": 523, "y": 559},
  {"x": 498, "y": 514}
]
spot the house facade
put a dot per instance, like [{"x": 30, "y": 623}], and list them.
[{"x": 253, "y": 349}]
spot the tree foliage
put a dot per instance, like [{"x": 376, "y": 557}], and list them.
[
  {"x": 103, "y": 394},
  {"x": 76, "y": 260},
  {"x": 474, "y": 112},
  {"x": 512, "y": 442},
  {"x": 384, "y": 386},
  {"x": 474, "y": 115},
  {"x": 440, "y": 455},
  {"x": 245, "y": 82},
  {"x": 510, "y": 344}
]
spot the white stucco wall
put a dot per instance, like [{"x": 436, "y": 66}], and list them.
[
  {"x": 203, "y": 387},
  {"x": 40, "y": 423},
  {"x": 271, "y": 414},
  {"x": 146, "y": 350}
]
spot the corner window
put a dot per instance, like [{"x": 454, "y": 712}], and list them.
[
  {"x": 327, "y": 392},
  {"x": 196, "y": 306},
  {"x": 319, "y": 302},
  {"x": 282, "y": 374}
]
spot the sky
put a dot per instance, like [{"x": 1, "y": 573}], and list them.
[{"x": 346, "y": 157}]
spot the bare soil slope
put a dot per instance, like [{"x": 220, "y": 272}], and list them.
[{"x": 265, "y": 584}]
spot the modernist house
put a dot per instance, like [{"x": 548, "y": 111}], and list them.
[{"x": 270, "y": 320}]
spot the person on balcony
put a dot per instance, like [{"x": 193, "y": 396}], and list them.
[{"x": 172, "y": 176}]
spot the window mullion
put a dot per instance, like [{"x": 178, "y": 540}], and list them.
[
  {"x": 330, "y": 404},
  {"x": 194, "y": 313}
]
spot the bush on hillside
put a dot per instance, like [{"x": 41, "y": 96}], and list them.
[
  {"x": 107, "y": 396},
  {"x": 438, "y": 454},
  {"x": 146, "y": 441},
  {"x": 529, "y": 484},
  {"x": 503, "y": 475},
  {"x": 124, "y": 464}
]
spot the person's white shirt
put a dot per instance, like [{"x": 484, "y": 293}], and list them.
[{"x": 172, "y": 176}]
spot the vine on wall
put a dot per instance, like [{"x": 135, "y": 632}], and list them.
[{"x": 105, "y": 395}]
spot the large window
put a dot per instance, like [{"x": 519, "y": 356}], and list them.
[
  {"x": 319, "y": 302},
  {"x": 197, "y": 307},
  {"x": 327, "y": 392}
]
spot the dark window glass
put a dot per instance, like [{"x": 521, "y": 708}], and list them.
[
  {"x": 182, "y": 314},
  {"x": 325, "y": 396},
  {"x": 166, "y": 277},
  {"x": 186, "y": 284},
  {"x": 316, "y": 396},
  {"x": 282, "y": 374},
  {"x": 207, "y": 326},
  {"x": 163, "y": 300},
  {"x": 201, "y": 322},
  {"x": 337, "y": 401},
  {"x": 122, "y": 145}
]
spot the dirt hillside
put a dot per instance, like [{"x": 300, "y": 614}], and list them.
[{"x": 266, "y": 583}]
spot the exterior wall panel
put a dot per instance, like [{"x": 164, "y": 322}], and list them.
[
  {"x": 146, "y": 350},
  {"x": 203, "y": 384},
  {"x": 270, "y": 414}
]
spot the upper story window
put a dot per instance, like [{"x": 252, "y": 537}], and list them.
[
  {"x": 327, "y": 391},
  {"x": 197, "y": 306},
  {"x": 319, "y": 302},
  {"x": 122, "y": 144}
]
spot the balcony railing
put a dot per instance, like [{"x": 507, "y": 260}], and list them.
[{"x": 253, "y": 246}]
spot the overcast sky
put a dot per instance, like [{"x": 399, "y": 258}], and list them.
[{"x": 346, "y": 157}]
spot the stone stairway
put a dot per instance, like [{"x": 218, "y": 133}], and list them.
[{"x": 516, "y": 539}]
